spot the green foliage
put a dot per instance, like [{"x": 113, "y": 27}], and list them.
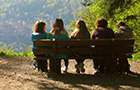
[
  {"x": 71, "y": 26},
  {"x": 114, "y": 11},
  {"x": 136, "y": 56},
  {"x": 8, "y": 50},
  {"x": 2, "y": 53}
]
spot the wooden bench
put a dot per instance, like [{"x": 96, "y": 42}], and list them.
[{"x": 106, "y": 50}]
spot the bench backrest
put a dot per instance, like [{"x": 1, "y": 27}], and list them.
[{"x": 88, "y": 48}]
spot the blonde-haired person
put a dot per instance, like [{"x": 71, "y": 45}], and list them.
[
  {"x": 80, "y": 32},
  {"x": 60, "y": 33},
  {"x": 40, "y": 33}
]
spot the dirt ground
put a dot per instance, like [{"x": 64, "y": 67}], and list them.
[{"x": 16, "y": 73}]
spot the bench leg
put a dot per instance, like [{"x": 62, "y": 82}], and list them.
[{"x": 55, "y": 66}]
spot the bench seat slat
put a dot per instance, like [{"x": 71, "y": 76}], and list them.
[
  {"x": 88, "y": 57},
  {"x": 123, "y": 50},
  {"x": 97, "y": 50},
  {"x": 73, "y": 42},
  {"x": 84, "y": 57},
  {"x": 82, "y": 43},
  {"x": 43, "y": 42},
  {"x": 42, "y": 51},
  {"x": 123, "y": 42}
]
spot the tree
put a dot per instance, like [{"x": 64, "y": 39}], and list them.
[{"x": 114, "y": 11}]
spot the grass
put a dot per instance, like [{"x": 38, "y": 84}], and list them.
[
  {"x": 9, "y": 51},
  {"x": 21, "y": 54},
  {"x": 136, "y": 56}
]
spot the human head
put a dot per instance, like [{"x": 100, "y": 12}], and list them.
[
  {"x": 80, "y": 24},
  {"x": 40, "y": 27},
  {"x": 120, "y": 23},
  {"x": 81, "y": 31},
  {"x": 58, "y": 26},
  {"x": 58, "y": 23},
  {"x": 101, "y": 22}
]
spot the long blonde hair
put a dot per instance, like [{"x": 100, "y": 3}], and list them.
[
  {"x": 58, "y": 27},
  {"x": 81, "y": 31}
]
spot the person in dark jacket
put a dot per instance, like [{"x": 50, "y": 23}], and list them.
[
  {"x": 123, "y": 31},
  {"x": 102, "y": 32}
]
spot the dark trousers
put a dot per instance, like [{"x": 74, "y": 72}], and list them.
[
  {"x": 80, "y": 61},
  {"x": 41, "y": 65},
  {"x": 98, "y": 64},
  {"x": 123, "y": 65},
  {"x": 66, "y": 62}
]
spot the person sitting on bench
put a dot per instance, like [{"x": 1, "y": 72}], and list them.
[
  {"x": 80, "y": 32},
  {"x": 60, "y": 33},
  {"x": 40, "y": 33},
  {"x": 102, "y": 32},
  {"x": 123, "y": 31}
]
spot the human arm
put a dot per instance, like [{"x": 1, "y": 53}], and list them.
[{"x": 94, "y": 34}]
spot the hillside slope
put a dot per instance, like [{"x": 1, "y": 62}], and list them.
[{"x": 17, "y": 17}]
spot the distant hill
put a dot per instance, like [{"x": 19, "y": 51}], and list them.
[{"x": 17, "y": 17}]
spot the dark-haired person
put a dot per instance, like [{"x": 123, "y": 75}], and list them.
[
  {"x": 40, "y": 33},
  {"x": 60, "y": 33},
  {"x": 80, "y": 32},
  {"x": 102, "y": 32},
  {"x": 123, "y": 31}
]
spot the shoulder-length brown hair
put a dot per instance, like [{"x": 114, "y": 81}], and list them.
[
  {"x": 81, "y": 31},
  {"x": 39, "y": 27},
  {"x": 101, "y": 22},
  {"x": 58, "y": 27}
]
